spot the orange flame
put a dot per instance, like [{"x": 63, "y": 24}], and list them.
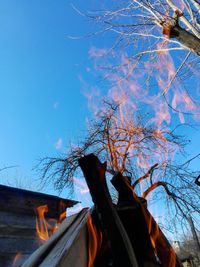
[
  {"x": 16, "y": 259},
  {"x": 95, "y": 241},
  {"x": 46, "y": 228},
  {"x": 41, "y": 223},
  {"x": 63, "y": 215},
  {"x": 162, "y": 248}
]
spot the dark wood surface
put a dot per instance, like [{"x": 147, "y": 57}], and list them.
[
  {"x": 67, "y": 247},
  {"x": 143, "y": 225},
  {"x": 18, "y": 221},
  {"x": 25, "y": 201},
  {"x": 94, "y": 172}
]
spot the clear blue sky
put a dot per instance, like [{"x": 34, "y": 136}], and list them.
[
  {"x": 42, "y": 105},
  {"x": 41, "y": 99}
]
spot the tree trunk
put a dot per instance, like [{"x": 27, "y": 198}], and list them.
[{"x": 187, "y": 39}]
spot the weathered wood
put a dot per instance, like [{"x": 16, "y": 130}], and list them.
[
  {"x": 24, "y": 201},
  {"x": 14, "y": 260},
  {"x": 14, "y": 245},
  {"x": 164, "y": 250},
  {"x": 18, "y": 221},
  {"x": 14, "y": 232},
  {"x": 131, "y": 215},
  {"x": 72, "y": 249},
  {"x": 94, "y": 172},
  {"x": 67, "y": 247},
  {"x": 184, "y": 36}
]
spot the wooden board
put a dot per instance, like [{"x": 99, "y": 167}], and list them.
[
  {"x": 18, "y": 222},
  {"x": 67, "y": 247},
  {"x": 24, "y": 201}
]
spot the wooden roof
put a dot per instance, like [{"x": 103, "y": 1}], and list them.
[
  {"x": 18, "y": 221},
  {"x": 25, "y": 201}
]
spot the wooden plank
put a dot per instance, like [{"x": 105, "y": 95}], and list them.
[
  {"x": 24, "y": 201},
  {"x": 94, "y": 172},
  {"x": 14, "y": 232},
  {"x": 14, "y": 260},
  {"x": 165, "y": 252},
  {"x": 71, "y": 250},
  {"x": 14, "y": 245},
  {"x": 58, "y": 248},
  {"x": 133, "y": 220},
  {"x": 12, "y": 219},
  {"x": 18, "y": 220}
]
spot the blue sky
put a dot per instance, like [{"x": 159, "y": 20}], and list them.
[
  {"x": 42, "y": 79},
  {"x": 41, "y": 101}
]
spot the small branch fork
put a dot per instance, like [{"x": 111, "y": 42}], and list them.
[{"x": 145, "y": 176}]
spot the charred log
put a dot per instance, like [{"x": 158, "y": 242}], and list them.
[
  {"x": 120, "y": 245},
  {"x": 130, "y": 210},
  {"x": 162, "y": 247}
]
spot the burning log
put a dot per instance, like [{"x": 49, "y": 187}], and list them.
[
  {"x": 130, "y": 210},
  {"x": 143, "y": 237},
  {"x": 120, "y": 245},
  {"x": 147, "y": 228},
  {"x": 109, "y": 235},
  {"x": 67, "y": 247}
]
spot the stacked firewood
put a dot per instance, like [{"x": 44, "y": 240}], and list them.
[
  {"x": 119, "y": 235},
  {"x": 130, "y": 235}
]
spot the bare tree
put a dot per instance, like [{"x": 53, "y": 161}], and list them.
[
  {"x": 157, "y": 44},
  {"x": 131, "y": 146},
  {"x": 156, "y": 49},
  {"x": 178, "y": 20}
]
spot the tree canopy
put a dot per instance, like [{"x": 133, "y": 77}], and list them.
[{"x": 148, "y": 70}]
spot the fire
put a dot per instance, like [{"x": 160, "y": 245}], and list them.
[
  {"x": 41, "y": 223},
  {"x": 46, "y": 228},
  {"x": 63, "y": 213},
  {"x": 62, "y": 217},
  {"x": 95, "y": 241},
  {"x": 161, "y": 246},
  {"x": 16, "y": 259}
]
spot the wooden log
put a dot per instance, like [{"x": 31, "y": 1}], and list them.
[
  {"x": 131, "y": 216},
  {"x": 163, "y": 249},
  {"x": 94, "y": 172}
]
